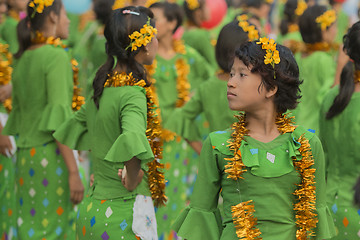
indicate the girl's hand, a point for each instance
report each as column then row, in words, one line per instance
column 76, row 188
column 5, row 145
column 125, row 180
column 5, row 92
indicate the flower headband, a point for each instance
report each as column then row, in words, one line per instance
column 326, row 19
column 272, row 56
column 301, row 7
column 39, row 5
column 143, row 37
column 193, row 4
column 253, row 34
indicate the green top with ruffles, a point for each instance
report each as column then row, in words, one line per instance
column 9, row 33
column 269, row 181
column 41, row 97
column 114, row 133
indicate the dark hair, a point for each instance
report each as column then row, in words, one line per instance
column 230, row 38
column 172, row 11
column 289, row 16
column 116, row 32
column 352, row 48
column 310, row 30
column 32, row 23
column 190, row 13
column 103, row 9
column 253, row 3
column 286, row 73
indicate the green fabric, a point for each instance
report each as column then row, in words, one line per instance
column 317, row 71
column 203, row 101
column 340, row 136
column 165, row 76
column 229, row 17
column 114, row 133
column 41, row 96
column 9, row 34
column 271, row 189
column 343, row 23
column 200, row 40
column 289, row 36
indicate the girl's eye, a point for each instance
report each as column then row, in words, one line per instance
column 232, row 74
column 242, row 75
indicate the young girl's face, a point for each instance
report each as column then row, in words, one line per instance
column 244, row 89
column 62, row 28
column 152, row 50
column 163, row 26
column 3, row 10
column 330, row 33
column 18, row 5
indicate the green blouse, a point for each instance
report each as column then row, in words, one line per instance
column 340, row 137
column 210, row 98
column 200, row 40
column 41, row 97
column 318, row 72
column 166, row 76
column 9, row 34
column 269, row 181
column 114, row 134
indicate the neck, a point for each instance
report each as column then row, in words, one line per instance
column 166, row 48
column 262, row 125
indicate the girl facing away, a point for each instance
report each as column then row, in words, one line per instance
column 270, row 172
column 120, row 127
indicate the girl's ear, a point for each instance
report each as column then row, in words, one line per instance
column 53, row 17
column 270, row 93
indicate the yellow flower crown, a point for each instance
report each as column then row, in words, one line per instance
column 269, row 1
column 150, row 2
column 142, row 38
column 39, row 5
column 272, row 56
column 326, row 19
column 118, row 4
column 301, row 7
column 253, row 34
column 193, row 4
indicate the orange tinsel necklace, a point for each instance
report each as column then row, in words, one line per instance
column 5, row 70
column 357, row 76
column 153, row 134
column 243, row 213
column 320, row 46
column 182, row 83
column 77, row 99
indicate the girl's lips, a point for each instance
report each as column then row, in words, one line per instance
column 229, row 94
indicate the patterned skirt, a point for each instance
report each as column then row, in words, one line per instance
column 43, row 196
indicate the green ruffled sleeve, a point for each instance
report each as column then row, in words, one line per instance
column 201, row 220
column 132, row 142
column 182, row 120
column 325, row 228
column 74, row 133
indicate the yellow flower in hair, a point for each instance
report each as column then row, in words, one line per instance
column 253, row 34
column 150, row 2
column 269, row 1
column 326, row 19
column 142, row 38
column 118, row 4
column 193, row 4
column 301, row 7
column 39, row 5
column 272, row 56
column 242, row 17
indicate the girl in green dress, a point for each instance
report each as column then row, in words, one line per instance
column 120, row 127
column 317, row 66
column 210, row 97
column 7, row 170
column 270, row 173
column 177, row 70
column 339, row 131
column 47, row 178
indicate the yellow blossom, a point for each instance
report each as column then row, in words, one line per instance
column 193, row 4
column 39, row 5
column 326, row 19
column 301, row 7
column 143, row 37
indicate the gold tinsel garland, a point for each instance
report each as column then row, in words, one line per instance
column 153, row 133
column 13, row 14
column 5, row 71
column 182, row 84
column 243, row 213
column 357, row 76
column 320, row 46
column 77, row 99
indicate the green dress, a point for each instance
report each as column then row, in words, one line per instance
column 343, row 23
column 42, row 98
column 180, row 160
column 9, row 34
column 268, row 181
column 317, row 71
column 8, row 228
column 114, row 133
column 200, row 40
column 210, row 98
column 339, row 136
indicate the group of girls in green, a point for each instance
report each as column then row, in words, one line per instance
column 210, row 134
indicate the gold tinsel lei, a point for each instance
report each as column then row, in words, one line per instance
column 77, row 99
column 243, row 213
column 153, row 133
column 320, row 46
column 182, row 83
column 357, row 76
column 5, row 71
